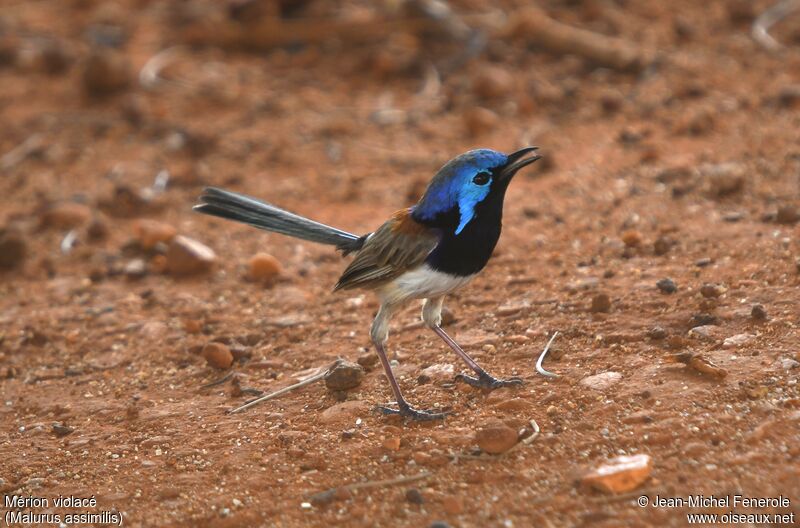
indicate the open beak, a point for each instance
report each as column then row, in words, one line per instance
column 517, row 160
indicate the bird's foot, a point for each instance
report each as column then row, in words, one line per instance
column 486, row 381
column 407, row 411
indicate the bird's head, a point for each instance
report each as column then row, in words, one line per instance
column 475, row 180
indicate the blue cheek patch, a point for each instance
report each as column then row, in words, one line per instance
column 468, row 198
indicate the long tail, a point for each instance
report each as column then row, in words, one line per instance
column 241, row 208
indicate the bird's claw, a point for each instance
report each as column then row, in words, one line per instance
column 485, row 381
column 407, row 411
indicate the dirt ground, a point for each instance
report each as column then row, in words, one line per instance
column 687, row 168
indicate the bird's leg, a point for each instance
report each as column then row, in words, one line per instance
column 380, row 334
column 432, row 316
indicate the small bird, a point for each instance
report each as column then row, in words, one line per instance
column 423, row 252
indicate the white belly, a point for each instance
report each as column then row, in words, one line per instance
column 422, row 283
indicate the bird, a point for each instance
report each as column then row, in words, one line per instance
column 424, row 252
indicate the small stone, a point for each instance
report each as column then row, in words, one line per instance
column 98, row 228
column 66, row 215
column 62, row 430
column 667, row 286
column 620, row 474
column 479, row 121
column 150, row 233
column 601, row 303
column 705, row 332
column 737, row 340
column 391, row 443
column 263, row 267
column 106, row 72
column 493, row 82
column 13, row 249
column 496, row 437
column 632, row 238
column 661, row 246
column 704, row 319
column 657, row 333
column 323, row 498
column 787, row 214
column 602, row 381
column 368, row 360
column 758, row 312
column 217, row 355
column 789, row 364
column 439, row 524
column 186, row 256
column 344, row 375
column 711, row 291
column 135, row 269
column 723, row 179
column 703, row 262
column 347, row 411
column 414, row 496
column 439, row 372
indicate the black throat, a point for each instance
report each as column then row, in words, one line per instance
column 468, row 252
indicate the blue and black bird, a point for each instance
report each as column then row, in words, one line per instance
column 423, row 252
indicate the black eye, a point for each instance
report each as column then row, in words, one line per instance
column 482, row 178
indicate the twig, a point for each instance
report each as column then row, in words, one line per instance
column 220, row 381
column 539, row 362
column 150, row 74
column 535, row 26
column 68, row 242
column 328, row 495
column 281, row 392
column 21, row 151
column 770, row 17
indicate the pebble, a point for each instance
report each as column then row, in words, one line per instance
column 601, row 303
column 62, row 430
column 758, row 312
column 391, row 443
column 106, row 72
column 135, row 269
column 453, row 505
column 710, row 291
column 723, row 179
column 479, row 121
column 263, row 267
column 496, row 437
column 344, row 375
column 439, row 372
column 657, row 333
column 787, row 214
column 438, row 524
column 217, row 355
column 414, row 496
column 632, row 238
column 703, row 262
column 667, row 286
column 602, row 381
column 737, row 340
column 13, row 249
column 66, row 215
column 150, row 233
column 493, row 82
column 347, row 411
column 702, row 318
column 186, row 256
column 368, row 360
column 789, row 364
column 708, row 332
column 661, row 246
column 620, row 474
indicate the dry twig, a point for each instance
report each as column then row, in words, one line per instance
column 539, row 368
column 307, row 381
column 770, row 17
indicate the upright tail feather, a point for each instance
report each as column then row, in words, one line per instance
column 241, row 208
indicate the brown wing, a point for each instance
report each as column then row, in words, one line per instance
column 397, row 246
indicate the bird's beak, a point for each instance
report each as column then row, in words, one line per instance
column 517, row 160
